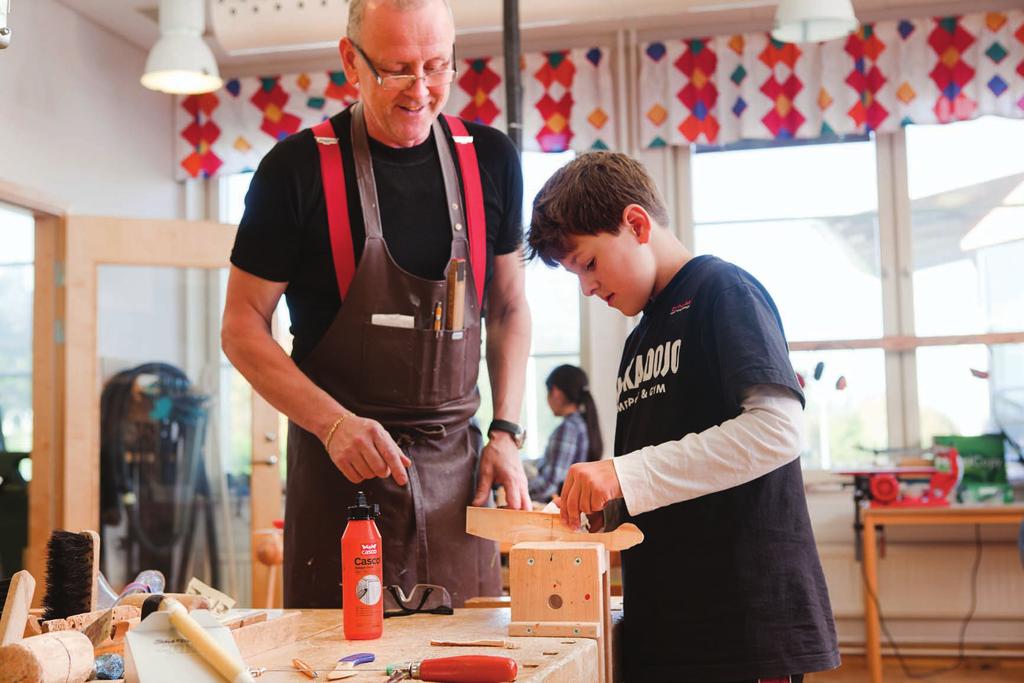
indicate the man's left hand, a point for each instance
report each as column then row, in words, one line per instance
column 500, row 465
column 588, row 487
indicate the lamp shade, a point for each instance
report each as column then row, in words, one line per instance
column 813, row 21
column 180, row 62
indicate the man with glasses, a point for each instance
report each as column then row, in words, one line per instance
column 383, row 226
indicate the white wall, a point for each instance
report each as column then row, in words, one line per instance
column 75, row 125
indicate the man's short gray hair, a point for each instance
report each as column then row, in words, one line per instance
column 357, row 8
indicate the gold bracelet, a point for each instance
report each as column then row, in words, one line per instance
column 330, row 432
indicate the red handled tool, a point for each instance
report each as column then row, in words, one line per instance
column 461, row 669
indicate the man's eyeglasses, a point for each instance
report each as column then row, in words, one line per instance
column 397, row 82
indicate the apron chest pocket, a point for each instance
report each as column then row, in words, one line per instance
column 441, row 375
column 387, row 365
column 413, row 367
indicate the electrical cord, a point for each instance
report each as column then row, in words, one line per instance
column 961, row 659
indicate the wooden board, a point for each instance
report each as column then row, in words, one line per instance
column 15, row 608
column 277, row 629
column 515, row 526
column 322, row 643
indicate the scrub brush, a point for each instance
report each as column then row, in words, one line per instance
column 72, row 565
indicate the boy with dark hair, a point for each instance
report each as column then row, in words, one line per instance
column 727, row 585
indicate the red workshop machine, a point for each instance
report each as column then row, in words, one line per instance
column 915, row 486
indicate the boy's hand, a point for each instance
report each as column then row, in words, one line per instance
column 588, row 487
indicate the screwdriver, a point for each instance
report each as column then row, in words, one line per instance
column 459, row 669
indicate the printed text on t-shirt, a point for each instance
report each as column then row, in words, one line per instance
column 641, row 376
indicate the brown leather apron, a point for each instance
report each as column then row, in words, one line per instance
column 421, row 385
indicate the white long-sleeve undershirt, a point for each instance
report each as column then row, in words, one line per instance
column 764, row 437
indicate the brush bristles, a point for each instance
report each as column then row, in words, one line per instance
column 69, row 575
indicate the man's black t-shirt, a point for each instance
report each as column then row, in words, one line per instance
column 727, row 586
column 283, row 235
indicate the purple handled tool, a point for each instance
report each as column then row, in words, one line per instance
column 357, row 659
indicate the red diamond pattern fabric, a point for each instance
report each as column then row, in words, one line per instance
column 882, row 76
column 569, row 102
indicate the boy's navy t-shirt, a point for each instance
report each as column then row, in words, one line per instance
column 727, row 586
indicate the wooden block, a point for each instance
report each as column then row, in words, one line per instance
column 79, row 622
column 557, row 581
column 560, row 588
column 479, row 642
column 34, row 625
column 115, row 644
column 244, row 619
column 65, row 657
column 266, row 635
column 456, row 284
column 516, row 526
column 191, row 602
column 15, row 608
column 95, row 537
column 489, row 601
column 555, row 629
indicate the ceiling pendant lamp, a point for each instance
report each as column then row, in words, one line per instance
column 181, row 63
column 813, row 21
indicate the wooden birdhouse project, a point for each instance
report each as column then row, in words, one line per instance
column 558, row 578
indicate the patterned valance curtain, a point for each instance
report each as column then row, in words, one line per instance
column 567, row 101
column 884, row 76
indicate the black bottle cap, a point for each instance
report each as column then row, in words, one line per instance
column 362, row 509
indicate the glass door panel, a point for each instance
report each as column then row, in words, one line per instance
column 175, row 440
column 17, row 287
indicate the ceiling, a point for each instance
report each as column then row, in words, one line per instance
column 479, row 21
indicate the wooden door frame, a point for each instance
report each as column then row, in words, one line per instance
column 64, row 361
column 45, row 498
column 65, row 488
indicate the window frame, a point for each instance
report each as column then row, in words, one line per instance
column 899, row 341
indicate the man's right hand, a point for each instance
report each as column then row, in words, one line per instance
column 362, row 449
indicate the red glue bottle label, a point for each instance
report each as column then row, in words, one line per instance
column 362, row 573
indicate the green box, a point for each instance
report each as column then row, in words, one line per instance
column 984, row 468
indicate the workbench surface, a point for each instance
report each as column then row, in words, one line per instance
column 321, row 644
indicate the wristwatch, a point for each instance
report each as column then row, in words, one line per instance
column 516, row 431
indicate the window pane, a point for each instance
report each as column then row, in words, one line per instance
column 803, row 181
column 17, row 288
column 554, row 298
column 804, row 221
column 970, row 390
column 842, row 424
column 967, row 202
column 554, row 301
column 538, row 413
column 233, row 189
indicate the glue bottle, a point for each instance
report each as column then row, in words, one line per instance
column 362, row 573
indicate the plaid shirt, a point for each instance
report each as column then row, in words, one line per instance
column 567, row 445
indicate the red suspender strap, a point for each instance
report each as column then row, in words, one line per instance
column 474, row 194
column 332, row 174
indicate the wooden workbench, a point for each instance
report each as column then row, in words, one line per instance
column 321, row 644
column 928, row 516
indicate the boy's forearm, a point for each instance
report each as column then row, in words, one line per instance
column 763, row 438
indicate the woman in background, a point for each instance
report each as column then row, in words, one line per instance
column 576, row 439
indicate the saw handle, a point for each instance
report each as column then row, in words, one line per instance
column 469, row 669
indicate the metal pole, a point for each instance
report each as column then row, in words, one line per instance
column 513, row 81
